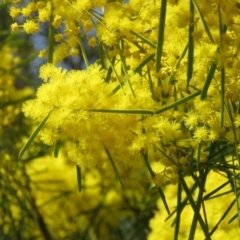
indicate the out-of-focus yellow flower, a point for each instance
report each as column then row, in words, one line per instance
column 42, row 54
column 14, row 12
column 92, row 42
column 14, row 27
column 30, row 26
column 201, row 133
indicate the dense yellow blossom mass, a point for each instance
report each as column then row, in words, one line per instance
column 75, row 96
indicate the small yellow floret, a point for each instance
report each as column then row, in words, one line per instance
column 26, row 11
column 107, row 36
column 39, row 5
column 46, row 71
column 14, row 12
column 74, row 51
column 42, row 54
column 237, row 121
column 92, row 42
column 61, row 52
column 88, row 25
column 58, row 37
column 44, row 15
column 49, row 136
column 14, row 27
column 201, row 134
column 191, row 120
column 30, row 27
column 57, row 21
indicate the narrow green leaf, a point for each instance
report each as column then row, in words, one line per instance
column 222, row 68
column 236, row 193
column 124, row 67
column 222, row 27
column 223, row 216
column 116, row 89
column 205, row 214
column 83, row 51
column 114, row 167
column 143, row 63
column 150, row 82
column 24, row 61
column 53, row 199
column 208, row 80
column 212, row 68
column 51, row 34
column 184, row 202
column 195, row 209
column 79, row 178
column 91, row 221
column 168, row 157
column 237, row 215
column 203, row 21
column 179, row 210
column 216, row 190
column 190, row 45
column 171, row 78
column 8, row 39
column 110, row 70
column 56, row 148
column 190, row 163
column 222, row 96
column 160, row 191
column 229, row 111
column 34, row 134
column 131, row 111
column 181, row 57
column 221, row 194
column 201, row 179
column 101, row 55
column 199, row 154
column 93, row 14
column 181, row 101
column 111, row 62
column 143, row 39
column 160, row 40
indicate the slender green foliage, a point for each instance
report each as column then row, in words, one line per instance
column 33, row 136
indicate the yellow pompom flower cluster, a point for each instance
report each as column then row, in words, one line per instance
column 73, row 96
